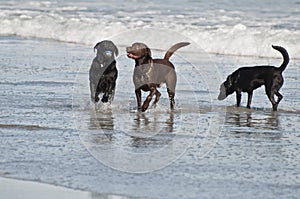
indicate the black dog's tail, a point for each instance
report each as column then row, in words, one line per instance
column 285, row 55
column 170, row 52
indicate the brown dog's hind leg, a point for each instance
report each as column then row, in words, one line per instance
column 138, row 95
column 171, row 97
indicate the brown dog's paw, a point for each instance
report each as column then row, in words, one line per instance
column 144, row 107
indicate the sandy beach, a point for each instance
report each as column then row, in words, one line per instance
column 56, row 143
column 48, row 136
column 18, row 189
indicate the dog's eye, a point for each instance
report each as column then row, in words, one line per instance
column 108, row 53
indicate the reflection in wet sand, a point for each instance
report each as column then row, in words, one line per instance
column 254, row 122
column 139, row 142
column 160, row 123
column 249, row 118
column 104, row 121
column 159, row 132
column 145, row 131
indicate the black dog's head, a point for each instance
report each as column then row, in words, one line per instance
column 106, row 50
column 226, row 88
column 138, row 51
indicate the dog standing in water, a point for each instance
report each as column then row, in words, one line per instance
column 103, row 72
column 150, row 73
column 247, row 79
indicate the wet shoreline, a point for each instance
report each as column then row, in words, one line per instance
column 255, row 155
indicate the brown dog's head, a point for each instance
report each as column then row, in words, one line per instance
column 138, row 50
column 226, row 88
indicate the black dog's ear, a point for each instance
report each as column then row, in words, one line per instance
column 229, row 81
column 97, row 45
column 115, row 49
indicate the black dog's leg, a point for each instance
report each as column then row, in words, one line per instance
column 107, row 91
column 93, row 90
column 171, row 97
column 138, row 95
column 97, row 95
column 105, row 97
column 279, row 97
column 270, row 93
column 275, row 104
column 250, row 94
column 238, row 98
column 105, row 94
column 272, row 100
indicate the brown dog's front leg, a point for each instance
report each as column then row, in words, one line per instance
column 157, row 96
column 148, row 99
column 138, row 95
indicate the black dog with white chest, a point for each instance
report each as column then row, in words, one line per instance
column 247, row 79
column 103, row 72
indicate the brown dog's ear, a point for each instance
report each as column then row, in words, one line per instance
column 148, row 51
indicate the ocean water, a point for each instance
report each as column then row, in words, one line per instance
column 50, row 132
column 238, row 27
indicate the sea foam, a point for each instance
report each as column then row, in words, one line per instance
column 217, row 31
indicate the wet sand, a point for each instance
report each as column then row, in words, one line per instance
column 47, row 129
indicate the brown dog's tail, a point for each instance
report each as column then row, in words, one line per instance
column 170, row 52
column 285, row 55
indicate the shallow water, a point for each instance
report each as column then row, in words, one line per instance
column 50, row 132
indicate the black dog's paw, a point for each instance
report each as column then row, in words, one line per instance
column 104, row 99
column 97, row 99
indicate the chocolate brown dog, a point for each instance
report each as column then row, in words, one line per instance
column 103, row 72
column 247, row 79
column 150, row 73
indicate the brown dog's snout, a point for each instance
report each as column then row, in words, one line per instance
column 128, row 49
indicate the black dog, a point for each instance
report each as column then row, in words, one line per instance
column 247, row 79
column 151, row 73
column 103, row 72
